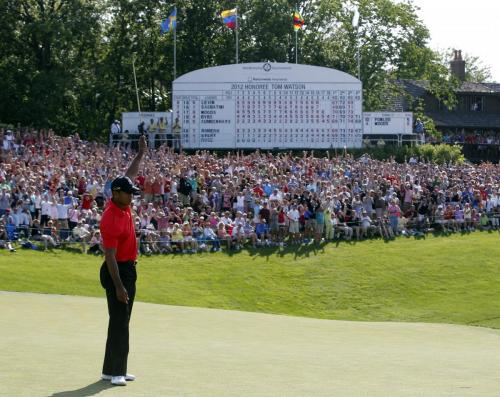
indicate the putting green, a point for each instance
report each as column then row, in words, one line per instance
column 52, row 346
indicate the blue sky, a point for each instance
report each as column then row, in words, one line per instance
column 466, row 26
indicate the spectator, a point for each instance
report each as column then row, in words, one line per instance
column 38, row 176
column 116, row 131
column 81, row 235
column 176, row 134
column 5, row 242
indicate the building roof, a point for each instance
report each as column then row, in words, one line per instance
column 418, row 88
column 494, row 86
column 478, row 120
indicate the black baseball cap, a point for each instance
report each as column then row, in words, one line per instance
column 124, row 184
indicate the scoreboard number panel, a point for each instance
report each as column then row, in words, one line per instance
column 268, row 106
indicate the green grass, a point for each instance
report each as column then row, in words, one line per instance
column 454, row 279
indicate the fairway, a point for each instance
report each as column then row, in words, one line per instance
column 52, row 346
column 445, row 279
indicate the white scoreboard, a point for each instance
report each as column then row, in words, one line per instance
column 387, row 123
column 268, row 105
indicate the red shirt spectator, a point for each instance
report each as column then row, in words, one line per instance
column 258, row 190
column 148, row 186
column 82, row 185
column 157, row 187
column 140, row 180
column 87, row 201
column 167, row 185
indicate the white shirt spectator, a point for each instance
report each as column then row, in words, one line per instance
column 239, row 220
column 240, row 201
column 4, row 200
column 45, row 207
column 62, row 211
column 208, row 232
column 80, row 232
column 293, row 215
column 238, row 231
column 20, row 218
column 366, row 221
column 53, row 211
column 173, row 187
column 116, row 128
column 37, row 199
column 73, row 214
column 226, row 220
column 8, row 139
column 276, row 195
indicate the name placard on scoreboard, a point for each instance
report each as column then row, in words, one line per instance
column 268, row 106
column 387, row 123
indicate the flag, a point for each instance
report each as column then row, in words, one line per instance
column 298, row 21
column 170, row 23
column 229, row 18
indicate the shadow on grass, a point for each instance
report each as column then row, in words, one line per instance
column 298, row 251
column 89, row 390
column 462, row 232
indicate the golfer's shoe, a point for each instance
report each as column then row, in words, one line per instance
column 118, row 381
column 128, row 377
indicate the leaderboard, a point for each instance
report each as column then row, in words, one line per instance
column 268, row 111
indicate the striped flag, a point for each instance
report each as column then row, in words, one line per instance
column 170, row 23
column 298, row 21
column 229, row 18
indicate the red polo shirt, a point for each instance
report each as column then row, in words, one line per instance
column 118, row 231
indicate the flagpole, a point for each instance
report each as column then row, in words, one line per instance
column 296, row 49
column 358, row 55
column 175, row 43
column 355, row 24
column 236, row 34
column 136, row 90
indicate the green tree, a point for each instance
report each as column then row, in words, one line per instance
column 44, row 47
column 67, row 64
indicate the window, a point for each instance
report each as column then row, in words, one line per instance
column 477, row 104
column 471, row 103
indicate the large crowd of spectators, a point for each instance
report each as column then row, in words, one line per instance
column 472, row 139
column 53, row 190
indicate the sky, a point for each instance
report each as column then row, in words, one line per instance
column 470, row 26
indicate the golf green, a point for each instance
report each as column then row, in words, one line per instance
column 52, row 345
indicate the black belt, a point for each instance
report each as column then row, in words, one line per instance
column 127, row 263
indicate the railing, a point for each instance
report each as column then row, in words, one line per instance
column 157, row 139
column 477, row 152
column 52, row 238
column 154, row 140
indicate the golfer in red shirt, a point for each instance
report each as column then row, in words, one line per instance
column 118, row 274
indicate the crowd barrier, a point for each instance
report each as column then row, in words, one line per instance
column 53, row 238
column 154, row 140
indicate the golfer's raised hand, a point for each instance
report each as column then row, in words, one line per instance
column 143, row 145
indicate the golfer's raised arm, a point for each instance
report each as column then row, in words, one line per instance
column 133, row 169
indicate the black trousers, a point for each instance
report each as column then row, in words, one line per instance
column 117, row 343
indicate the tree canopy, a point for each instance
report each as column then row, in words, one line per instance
column 67, row 64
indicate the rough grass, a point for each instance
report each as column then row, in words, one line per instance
column 454, row 279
